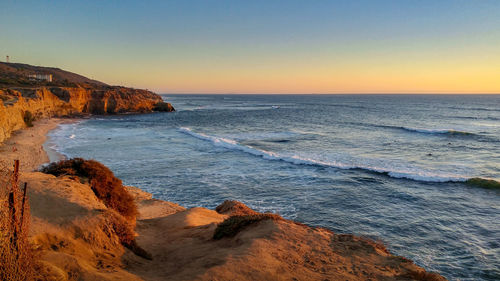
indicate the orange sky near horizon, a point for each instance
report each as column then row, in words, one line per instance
column 349, row 74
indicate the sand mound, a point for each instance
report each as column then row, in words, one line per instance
column 183, row 248
column 234, row 208
column 73, row 232
column 152, row 208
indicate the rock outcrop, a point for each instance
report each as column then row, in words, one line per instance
column 71, row 101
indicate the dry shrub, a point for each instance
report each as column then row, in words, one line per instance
column 111, row 191
column 15, row 249
column 234, row 224
column 118, row 225
column 103, row 182
column 125, row 231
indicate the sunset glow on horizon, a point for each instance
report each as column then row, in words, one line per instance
column 278, row 47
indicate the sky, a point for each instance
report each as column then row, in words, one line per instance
column 263, row 46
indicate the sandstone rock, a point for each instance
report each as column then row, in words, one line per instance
column 71, row 101
column 163, row 106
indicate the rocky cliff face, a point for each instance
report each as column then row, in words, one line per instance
column 65, row 101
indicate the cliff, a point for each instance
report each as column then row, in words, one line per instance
column 43, row 102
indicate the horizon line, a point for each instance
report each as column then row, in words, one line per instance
column 353, row 93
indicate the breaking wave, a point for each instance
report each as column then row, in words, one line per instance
column 437, row 131
column 394, row 172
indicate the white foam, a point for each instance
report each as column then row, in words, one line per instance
column 263, row 136
column 412, row 173
column 72, row 136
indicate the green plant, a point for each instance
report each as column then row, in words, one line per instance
column 103, row 182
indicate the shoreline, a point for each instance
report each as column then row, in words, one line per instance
column 52, row 154
column 29, row 145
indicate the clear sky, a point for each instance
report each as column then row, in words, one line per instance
column 263, row 46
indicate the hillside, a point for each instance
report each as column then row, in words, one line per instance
column 16, row 74
column 23, row 100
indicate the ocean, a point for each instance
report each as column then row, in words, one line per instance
column 388, row 167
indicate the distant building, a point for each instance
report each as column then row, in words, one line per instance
column 38, row 76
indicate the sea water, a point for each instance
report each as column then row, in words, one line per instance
column 389, row 167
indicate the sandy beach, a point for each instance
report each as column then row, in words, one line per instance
column 28, row 145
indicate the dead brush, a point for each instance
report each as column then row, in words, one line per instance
column 234, row 224
column 16, row 255
column 121, row 219
column 103, row 182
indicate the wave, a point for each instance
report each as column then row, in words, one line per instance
column 394, row 172
column 450, row 132
column 484, row 183
column 265, row 136
column 438, row 131
column 474, row 108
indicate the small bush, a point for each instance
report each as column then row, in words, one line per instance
column 28, row 118
column 120, row 226
column 234, row 224
column 124, row 229
column 103, row 182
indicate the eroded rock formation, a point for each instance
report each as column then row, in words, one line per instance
column 71, row 101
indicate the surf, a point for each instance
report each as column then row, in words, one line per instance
column 410, row 174
column 438, row 131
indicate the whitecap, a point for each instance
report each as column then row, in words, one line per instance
column 437, row 131
column 395, row 171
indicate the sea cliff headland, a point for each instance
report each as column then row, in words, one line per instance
column 66, row 95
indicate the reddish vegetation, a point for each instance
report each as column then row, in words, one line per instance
column 103, row 182
column 111, row 191
column 15, row 250
column 125, row 231
column 232, row 225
